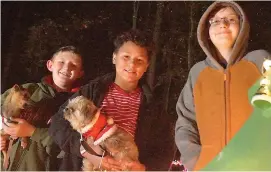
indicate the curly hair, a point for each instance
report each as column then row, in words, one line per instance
column 136, row 36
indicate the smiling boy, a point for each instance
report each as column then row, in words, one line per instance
column 213, row 104
column 40, row 154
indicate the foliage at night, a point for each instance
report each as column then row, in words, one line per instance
column 32, row 31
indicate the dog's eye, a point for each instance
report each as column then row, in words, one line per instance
column 26, row 96
column 68, row 109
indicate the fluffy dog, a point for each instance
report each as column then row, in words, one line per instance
column 18, row 104
column 14, row 103
column 16, row 100
column 87, row 119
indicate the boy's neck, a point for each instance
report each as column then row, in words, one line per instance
column 225, row 54
column 62, row 89
column 128, row 87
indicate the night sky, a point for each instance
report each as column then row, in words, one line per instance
column 32, row 31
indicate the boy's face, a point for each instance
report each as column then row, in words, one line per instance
column 66, row 67
column 224, row 28
column 131, row 62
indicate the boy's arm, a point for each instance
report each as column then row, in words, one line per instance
column 186, row 131
column 63, row 134
column 61, row 131
column 25, row 129
column 41, row 135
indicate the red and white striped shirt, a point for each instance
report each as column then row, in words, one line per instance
column 123, row 107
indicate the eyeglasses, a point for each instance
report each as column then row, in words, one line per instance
column 228, row 20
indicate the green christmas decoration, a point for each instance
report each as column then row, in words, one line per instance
column 250, row 148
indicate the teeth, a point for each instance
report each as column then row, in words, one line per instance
column 65, row 74
column 130, row 71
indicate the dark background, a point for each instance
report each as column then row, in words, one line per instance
column 32, row 31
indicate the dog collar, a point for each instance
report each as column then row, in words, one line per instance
column 100, row 130
column 93, row 129
column 107, row 131
column 3, row 121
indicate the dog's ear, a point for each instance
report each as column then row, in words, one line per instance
column 17, row 87
column 92, row 108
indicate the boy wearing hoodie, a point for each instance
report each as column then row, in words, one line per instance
column 40, row 153
column 213, row 104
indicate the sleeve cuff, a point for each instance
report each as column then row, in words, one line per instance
column 40, row 134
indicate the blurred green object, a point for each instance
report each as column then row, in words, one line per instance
column 250, row 148
column 262, row 104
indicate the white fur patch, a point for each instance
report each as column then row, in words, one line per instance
column 106, row 135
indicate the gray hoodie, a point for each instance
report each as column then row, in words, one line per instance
column 213, row 104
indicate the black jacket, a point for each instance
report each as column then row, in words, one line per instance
column 69, row 139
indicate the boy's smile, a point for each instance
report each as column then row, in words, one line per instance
column 130, row 72
column 223, row 32
column 65, row 74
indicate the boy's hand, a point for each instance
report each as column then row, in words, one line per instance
column 22, row 129
column 110, row 164
column 134, row 166
column 4, row 142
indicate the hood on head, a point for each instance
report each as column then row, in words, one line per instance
column 240, row 44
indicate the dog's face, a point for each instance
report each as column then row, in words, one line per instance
column 17, row 100
column 20, row 96
column 80, row 111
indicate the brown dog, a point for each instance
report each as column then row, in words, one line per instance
column 16, row 100
column 14, row 103
column 86, row 118
column 19, row 105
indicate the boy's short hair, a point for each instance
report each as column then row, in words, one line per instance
column 71, row 49
column 136, row 36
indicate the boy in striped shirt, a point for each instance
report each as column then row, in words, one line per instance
column 122, row 95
